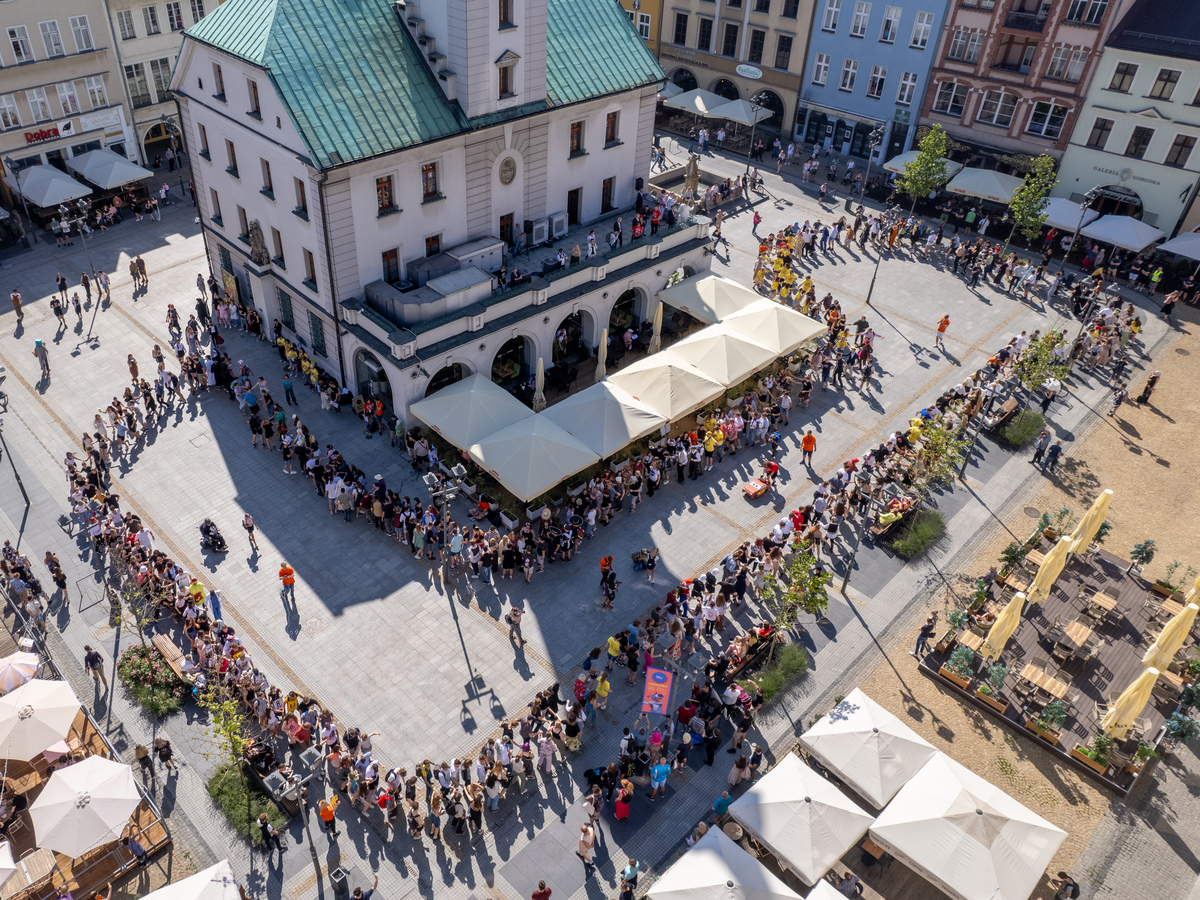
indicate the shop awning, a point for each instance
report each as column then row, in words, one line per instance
column 1124, row 232
column 46, row 186
column 470, row 410
column 709, row 298
column 987, row 184
column 106, row 169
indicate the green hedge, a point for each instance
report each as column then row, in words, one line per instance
column 925, row 529
column 1025, row 426
column 790, row 663
column 242, row 802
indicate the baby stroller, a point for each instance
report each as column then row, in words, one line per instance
column 210, row 538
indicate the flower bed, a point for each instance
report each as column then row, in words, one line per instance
column 146, row 675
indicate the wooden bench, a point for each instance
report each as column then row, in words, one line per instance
column 170, row 652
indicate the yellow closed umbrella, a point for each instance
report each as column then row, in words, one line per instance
column 1081, row 537
column 1049, row 571
column 601, row 356
column 1122, row 715
column 1193, row 596
column 1163, row 650
column 539, row 387
column 1002, row 629
column 656, row 337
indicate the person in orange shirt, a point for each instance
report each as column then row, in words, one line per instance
column 943, row 324
column 288, row 576
column 808, row 444
column 327, row 809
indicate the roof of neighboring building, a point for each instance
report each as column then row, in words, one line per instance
column 356, row 85
column 1163, row 27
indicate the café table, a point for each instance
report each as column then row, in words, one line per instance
column 1075, row 635
column 1102, row 601
column 968, row 638
column 1172, row 607
column 1044, row 680
column 1035, row 558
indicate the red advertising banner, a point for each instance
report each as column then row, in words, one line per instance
column 656, row 696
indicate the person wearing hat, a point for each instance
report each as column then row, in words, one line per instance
column 39, row 350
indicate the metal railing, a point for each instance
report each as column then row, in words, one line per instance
column 1025, row 21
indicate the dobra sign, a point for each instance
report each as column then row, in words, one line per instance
column 749, row 71
column 46, row 134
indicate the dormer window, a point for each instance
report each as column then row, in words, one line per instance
column 505, row 69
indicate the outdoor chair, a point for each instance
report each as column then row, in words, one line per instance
column 1099, row 709
column 1119, row 760
column 1094, row 650
column 1061, row 654
column 1164, row 692
column 1055, row 632
column 1040, row 662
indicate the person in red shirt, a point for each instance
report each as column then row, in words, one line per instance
column 542, row 892
column 770, row 472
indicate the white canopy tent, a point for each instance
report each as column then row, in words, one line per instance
column 106, row 169
column 986, row 184
column 604, row 417
column 722, row 355
column 1064, row 214
column 965, row 835
column 531, row 456
column 669, row 90
column 774, row 325
column 672, row 389
column 1186, row 245
column 214, row 883
column 46, row 186
column 1124, row 232
column 469, row 410
column 716, row 868
column 804, row 820
column 823, row 890
column 868, row 747
column 742, row 111
column 709, row 298
column 897, row 163
column 702, row 103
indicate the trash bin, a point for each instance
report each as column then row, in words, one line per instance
column 340, row 879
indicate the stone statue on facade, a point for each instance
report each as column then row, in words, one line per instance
column 691, row 177
column 258, row 245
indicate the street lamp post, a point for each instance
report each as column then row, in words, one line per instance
column 83, row 205
column 11, row 165
column 169, row 123
column 1088, row 199
column 874, row 139
column 756, row 107
column 443, row 492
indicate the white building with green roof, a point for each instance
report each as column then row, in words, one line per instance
column 364, row 167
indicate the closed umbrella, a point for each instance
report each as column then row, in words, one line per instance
column 1081, row 537
column 1002, row 629
column 1049, row 570
column 602, row 355
column 1162, row 651
column 34, row 716
column 85, row 806
column 17, row 669
column 539, row 387
column 1122, row 715
column 656, row 337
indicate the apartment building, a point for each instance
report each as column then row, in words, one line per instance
column 647, row 17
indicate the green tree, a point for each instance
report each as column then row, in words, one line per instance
column 1028, row 205
column 802, row 589
column 925, row 174
column 942, row 451
column 1038, row 364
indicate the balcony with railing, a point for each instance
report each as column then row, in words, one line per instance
column 1024, row 21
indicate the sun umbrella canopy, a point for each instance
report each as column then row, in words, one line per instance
column 17, row 669
column 986, row 184
column 1064, row 214
column 1122, row 231
column 1002, row 629
column 708, row 298
column 742, row 111
column 46, row 186
column 106, row 169
column 604, row 417
column 722, row 355
column 1049, row 570
column 672, row 389
column 716, row 868
column 85, row 806
column 531, row 456
column 470, row 410
column 1187, row 244
column 702, row 103
column 214, row 883
column 868, row 747
column 773, row 325
column 539, row 389
column 1081, row 537
column 897, row 163
column 1122, row 715
column 965, row 835
column 34, row 716
column 7, row 866
column 804, row 820
column 1162, row 652
column 669, row 90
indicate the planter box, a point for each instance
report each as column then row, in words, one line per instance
column 949, row 639
column 1164, row 590
column 575, row 492
column 1051, row 736
column 534, row 514
column 1077, row 753
column 618, row 466
column 468, row 489
column 734, row 404
column 509, row 520
column 1001, row 706
column 1135, row 767
column 954, row 678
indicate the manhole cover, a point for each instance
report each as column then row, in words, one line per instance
column 1033, row 512
column 1182, row 351
column 315, row 624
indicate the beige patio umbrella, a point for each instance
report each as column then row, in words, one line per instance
column 7, row 866
column 1081, row 537
column 656, row 338
column 1049, row 571
column 34, row 716
column 539, row 387
column 1162, row 651
column 1002, row 629
column 602, row 355
column 17, row 669
column 85, row 806
column 1122, row 715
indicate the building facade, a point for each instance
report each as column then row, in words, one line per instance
column 361, row 175
column 1136, row 135
column 60, row 87
column 868, row 66
column 740, row 49
column 1010, row 76
column 647, row 18
column 146, row 38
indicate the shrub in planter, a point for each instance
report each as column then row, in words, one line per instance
column 996, row 674
column 1053, row 715
column 1012, row 556
column 146, row 675
column 789, row 664
column 1099, row 749
column 242, row 802
column 1182, row 728
column 925, row 529
column 1024, row 427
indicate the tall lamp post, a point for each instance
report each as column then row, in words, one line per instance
column 874, row 139
column 168, row 126
column 756, row 106
column 83, row 205
column 1088, row 199
column 12, row 168
column 443, row 492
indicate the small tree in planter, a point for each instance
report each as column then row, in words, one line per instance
column 1102, row 532
column 1141, row 555
column 804, row 591
column 1012, row 556
column 1168, row 583
column 1181, row 728
column 996, row 674
column 1054, row 714
column 1101, row 746
column 958, row 667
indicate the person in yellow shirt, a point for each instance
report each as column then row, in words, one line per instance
column 710, row 445
column 807, row 285
column 718, row 435
column 196, row 591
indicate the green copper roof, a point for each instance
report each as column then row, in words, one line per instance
column 592, row 50
column 356, row 85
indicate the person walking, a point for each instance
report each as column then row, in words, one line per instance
column 270, row 835
column 923, row 638
column 807, row 444
column 587, row 840
column 248, row 524
column 514, row 625
column 43, row 357
column 15, row 297
column 1039, row 448
column 93, row 664
column 1148, row 389
column 1053, row 455
column 1119, row 396
column 287, row 575
column 939, row 338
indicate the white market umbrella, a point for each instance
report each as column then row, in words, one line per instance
column 965, row 835
column 602, row 356
column 7, row 866
column 539, row 387
column 716, row 868
column 470, row 410
column 531, row 456
column 106, row 169
column 1123, row 231
column 987, row 184
column 709, row 298
column 656, row 332
column 1064, row 214
column 17, row 669
column 897, row 163
column 85, row 806
column 806, row 822
column 1186, row 245
column 604, row 417
column 669, row 90
column 743, row 112
column 722, row 355
column 214, row 883
column 776, row 326
column 669, row 387
column 46, row 186
column 868, row 747
column 35, row 716
column 701, row 103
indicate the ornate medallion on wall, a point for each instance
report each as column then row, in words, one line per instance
column 508, row 170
